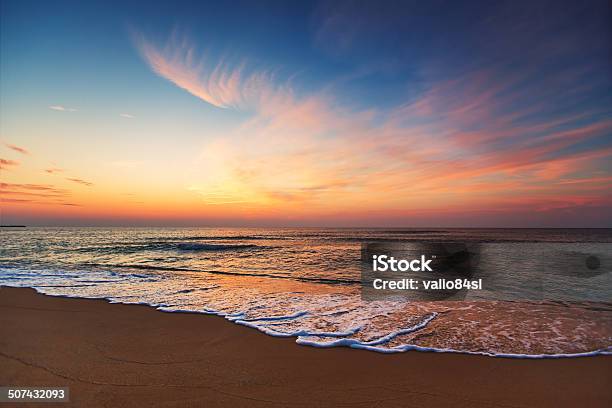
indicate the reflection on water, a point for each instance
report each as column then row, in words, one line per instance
column 304, row 283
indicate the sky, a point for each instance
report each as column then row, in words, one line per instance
column 407, row 114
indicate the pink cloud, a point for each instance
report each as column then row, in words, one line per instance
column 5, row 164
column 221, row 83
column 17, row 148
column 53, row 170
column 80, row 181
column 462, row 144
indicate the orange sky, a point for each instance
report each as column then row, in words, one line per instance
column 171, row 133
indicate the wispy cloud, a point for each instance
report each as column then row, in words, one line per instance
column 460, row 141
column 5, row 164
column 37, row 201
column 20, row 193
column 126, row 115
column 80, row 181
column 54, row 170
column 32, row 188
column 481, row 139
column 61, row 108
column 17, row 148
column 222, row 83
column 22, row 186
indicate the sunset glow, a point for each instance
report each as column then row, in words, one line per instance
column 194, row 124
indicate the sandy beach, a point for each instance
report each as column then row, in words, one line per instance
column 128, row 355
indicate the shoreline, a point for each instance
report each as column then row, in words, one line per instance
column 340, row 343
column 132, row 355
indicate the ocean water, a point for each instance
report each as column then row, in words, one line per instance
column 546, row 300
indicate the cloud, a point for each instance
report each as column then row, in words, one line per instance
column 53, row 170
column 61, row 108
column 482, row 139
column 80, row 181
column 33, row 193
column 126, row 115
column 222, row 83
column 27, row 186
column 31, row 201
column 20, row 187
column 15, row 200
column 463, row 143
column 17, row 148
column 6, row 164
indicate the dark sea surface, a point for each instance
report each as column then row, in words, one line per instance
column 547, row 292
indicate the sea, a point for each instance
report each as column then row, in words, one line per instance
column 550, row 292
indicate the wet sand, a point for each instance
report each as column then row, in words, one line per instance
column 114, row 355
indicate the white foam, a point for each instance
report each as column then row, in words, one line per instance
column 333, row 317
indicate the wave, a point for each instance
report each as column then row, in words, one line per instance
column 215, row 247
column 218, row 238
column 130, row 248
column 356, row 343
column 338, row 338
column 257, row 275
column 407, row 232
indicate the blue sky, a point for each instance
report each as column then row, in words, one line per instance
column 307, row 109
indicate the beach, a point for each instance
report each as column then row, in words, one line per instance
column 134, row 355
column 307, row 283
column 305, row 204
